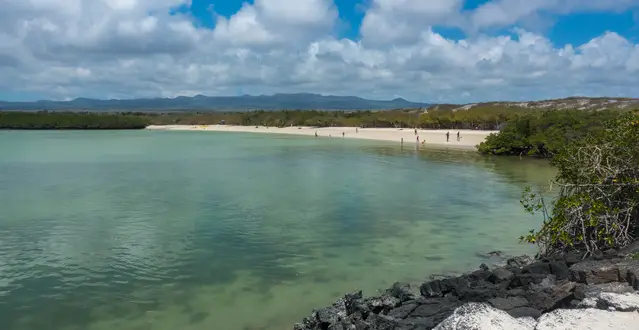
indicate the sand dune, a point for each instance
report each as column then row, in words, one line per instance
column 434, row 138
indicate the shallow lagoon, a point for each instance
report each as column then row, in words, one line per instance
column 200, row 230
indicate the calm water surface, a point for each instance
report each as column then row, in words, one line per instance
column 200, row 230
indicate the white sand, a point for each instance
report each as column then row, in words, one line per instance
column 434, row 138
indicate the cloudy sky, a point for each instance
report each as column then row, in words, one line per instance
column 423, row 50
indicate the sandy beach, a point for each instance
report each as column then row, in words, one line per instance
column 433, row 138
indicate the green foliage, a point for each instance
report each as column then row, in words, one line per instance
column 598, row 203
column 544, row 133
column 483, row 117
column 70, row 120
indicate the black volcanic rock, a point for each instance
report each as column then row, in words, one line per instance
column 523, row 288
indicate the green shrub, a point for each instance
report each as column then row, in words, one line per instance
column 597, row 207
column 544, row 133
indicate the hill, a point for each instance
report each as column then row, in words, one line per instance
column 303, row 101
column 576, row 103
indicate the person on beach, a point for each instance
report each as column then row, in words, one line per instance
column 315, row 133
column 458, row 138
column 343, row 134
column 417, row 139
column 356, row 130
column 415, row 131
column 402, row 142
column 447, row 136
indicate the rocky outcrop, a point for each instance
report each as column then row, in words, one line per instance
column 587, row 319
column 623, row 302
column 515, row 295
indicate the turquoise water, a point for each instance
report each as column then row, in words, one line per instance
column 201, row 230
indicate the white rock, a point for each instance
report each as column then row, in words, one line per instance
column 625, row 302
column 528, row 321
column 587, row 319
column 588, row 303
column 478, row 316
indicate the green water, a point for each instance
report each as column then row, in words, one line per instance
column 200, row 230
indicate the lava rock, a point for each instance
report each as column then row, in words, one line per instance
column 509, row 303
column 560, row 270
column 594, row 272
column 381, row 304
column 629, row 272
column 501, row 275
column 401, row 291
column 520, row 261
column 435, row 310
column 402, row 311
column 431, row 289
column 539, row 267
column 572, row 257
column 525, row 312
column 525, row 280
column 552, row 298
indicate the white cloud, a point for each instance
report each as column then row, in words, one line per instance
column 401, row 21
column 506, row 12
column 269, row 22
column 134, row 48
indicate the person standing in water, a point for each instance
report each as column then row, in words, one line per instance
column 315, row 133
column 447, row 136
column 402, row 142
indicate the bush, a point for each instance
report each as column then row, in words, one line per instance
column 71, row 120
column 544, row 133
column 597, row 207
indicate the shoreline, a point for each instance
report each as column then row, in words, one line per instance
column 469, row 139
column 563, row 291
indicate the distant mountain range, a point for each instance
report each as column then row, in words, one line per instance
column 303, row 101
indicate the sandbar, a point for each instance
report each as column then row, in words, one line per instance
column 431, row 138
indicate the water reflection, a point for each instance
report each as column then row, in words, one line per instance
column 155, row 230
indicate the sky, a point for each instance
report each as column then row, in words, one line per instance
column 454, row 51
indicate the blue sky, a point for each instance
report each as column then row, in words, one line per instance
column 575, row 28
column 426, row 50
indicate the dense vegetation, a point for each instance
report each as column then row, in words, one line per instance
column 481, row 117
column 597, row 207
column 70, row 120
column 489, row 118
column 544, row 133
